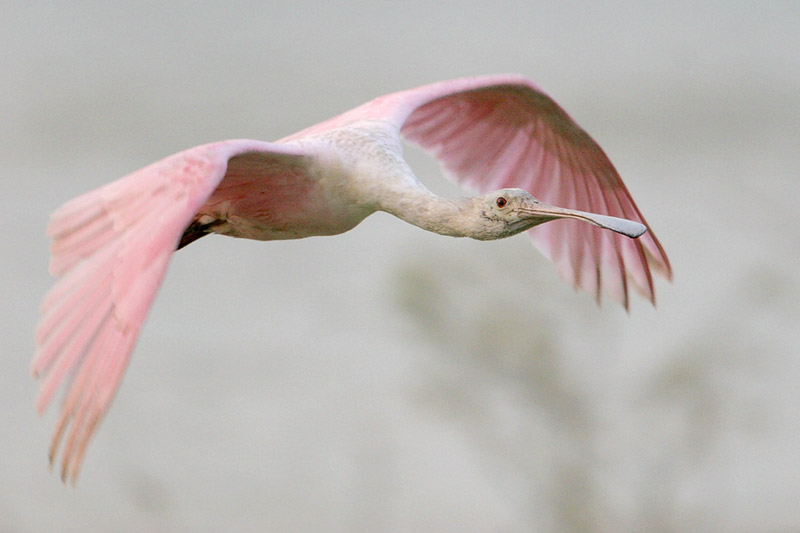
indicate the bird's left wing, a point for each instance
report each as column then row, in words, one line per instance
column 493, row 132
column 109, row 252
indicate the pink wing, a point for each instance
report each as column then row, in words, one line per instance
column 109, row 251
column 494, row 132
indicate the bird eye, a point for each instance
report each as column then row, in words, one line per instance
column 501, row 202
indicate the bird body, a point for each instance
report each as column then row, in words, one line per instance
column 500, row 134
column 343, row 176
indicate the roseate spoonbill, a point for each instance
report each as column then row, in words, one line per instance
column 110, row 247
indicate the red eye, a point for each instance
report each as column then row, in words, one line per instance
column 501, row 202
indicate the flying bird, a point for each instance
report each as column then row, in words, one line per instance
column 501, row 135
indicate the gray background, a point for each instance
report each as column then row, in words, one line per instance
column 393, row 380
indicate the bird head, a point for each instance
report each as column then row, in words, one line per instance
column 510, row 211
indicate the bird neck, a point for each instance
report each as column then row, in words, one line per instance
column 417, row 205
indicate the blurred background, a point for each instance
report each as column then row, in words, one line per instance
column 393, row 380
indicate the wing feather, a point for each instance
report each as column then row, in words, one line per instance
column 109, row 252
column 503, row 131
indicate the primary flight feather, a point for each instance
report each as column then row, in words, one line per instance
column 501, row 135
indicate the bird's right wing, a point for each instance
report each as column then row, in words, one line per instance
column 109, row 252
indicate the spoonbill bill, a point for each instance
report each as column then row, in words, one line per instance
column 501, row 135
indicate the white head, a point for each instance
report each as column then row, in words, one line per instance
column 510, row 211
